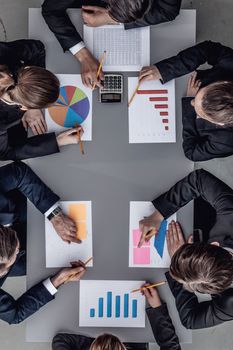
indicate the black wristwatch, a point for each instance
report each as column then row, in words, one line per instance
column 55, row 212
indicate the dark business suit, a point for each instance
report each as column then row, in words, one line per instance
column 161, row 325
column 18, row 177
column 54, row 13
column 202, row 184
column 14, row 143
column 202, row 140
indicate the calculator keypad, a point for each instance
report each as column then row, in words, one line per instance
column 112, row 83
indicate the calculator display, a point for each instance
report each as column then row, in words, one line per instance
column 111, row 97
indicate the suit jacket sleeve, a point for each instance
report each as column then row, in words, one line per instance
column 15, row 311
column 161, row 11
column 195, row 315
column 163, row 329
column 18, row 176
column 190, row 59
column 35, row 146
column 197, row 183
column 196, row 147
column 56, row 17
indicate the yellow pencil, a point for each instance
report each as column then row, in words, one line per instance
column 134, row 94
column 100, row 67
column 150, row 286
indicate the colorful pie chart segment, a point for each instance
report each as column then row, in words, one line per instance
column 71, row 108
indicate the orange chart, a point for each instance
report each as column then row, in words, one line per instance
column 71, row 108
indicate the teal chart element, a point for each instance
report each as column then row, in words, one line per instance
column 160, row 238
column 113, row 307
column 71, row 108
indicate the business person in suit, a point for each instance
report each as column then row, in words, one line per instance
column 207, row 109
column 26, row 87
column 17, row 178
column 205, row 265
column 133, row 13
column 160, row 321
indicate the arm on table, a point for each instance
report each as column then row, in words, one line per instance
column 56, row 17
column 162, row 327
column 197, row 183
column 190, row 59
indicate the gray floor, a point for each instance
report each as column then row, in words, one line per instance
column 214, row 21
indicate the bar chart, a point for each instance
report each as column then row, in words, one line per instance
column 152, row 112
column 106, row 305
column 111, row 303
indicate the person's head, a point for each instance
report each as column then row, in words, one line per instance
column 107, row 342
column 9, row 248
column 214, row 103
column 126, row 11
column 202, row 267
column 33, row 88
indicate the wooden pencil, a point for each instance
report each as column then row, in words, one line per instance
column 87, row 262
column 100, row 67
column 80, row 142
column 134, row 94
column 150, row 286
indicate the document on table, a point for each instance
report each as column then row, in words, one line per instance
column 126, row 50
column 60, row 253
column 152, row 112
column 111, row 304
column 153, row 253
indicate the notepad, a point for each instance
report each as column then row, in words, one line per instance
column 127, row 50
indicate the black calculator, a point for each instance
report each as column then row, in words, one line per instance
column 112, row 90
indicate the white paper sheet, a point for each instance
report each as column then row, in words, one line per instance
column 152, row 112
column 126, row 50
column 73, row 107
column 114, row 311
column 60, row 253
column 148, row 255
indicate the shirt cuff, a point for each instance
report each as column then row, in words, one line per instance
column 49, row 286
column 76, row 48
column 49, row 211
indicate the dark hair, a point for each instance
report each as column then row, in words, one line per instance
column 217, row 102
column 202, row 267
column 34, row 88
column 8, row 245
column 107, row 342
column 126, row 11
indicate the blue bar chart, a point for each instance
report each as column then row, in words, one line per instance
column 107, row 303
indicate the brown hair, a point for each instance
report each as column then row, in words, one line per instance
column 217, row 102
column 107, row 342
column 8, row 245
column 126, row 11
column 203, row 268
column 34, row 87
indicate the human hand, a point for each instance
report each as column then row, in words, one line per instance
column 89, row 68
column 95, row 16
column 69, row 136
column 175, row 238
column 34, row 119
column 65, row 228
column 193, row 85
column 149, row 227
column 69, row 274
column 152, row 296
column 149, row 73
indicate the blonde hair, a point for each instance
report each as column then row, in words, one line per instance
column 34, row 87
column 107, row 342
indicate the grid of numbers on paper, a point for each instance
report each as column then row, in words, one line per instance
column 124, row 46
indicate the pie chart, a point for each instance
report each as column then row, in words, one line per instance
column 71, row 108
